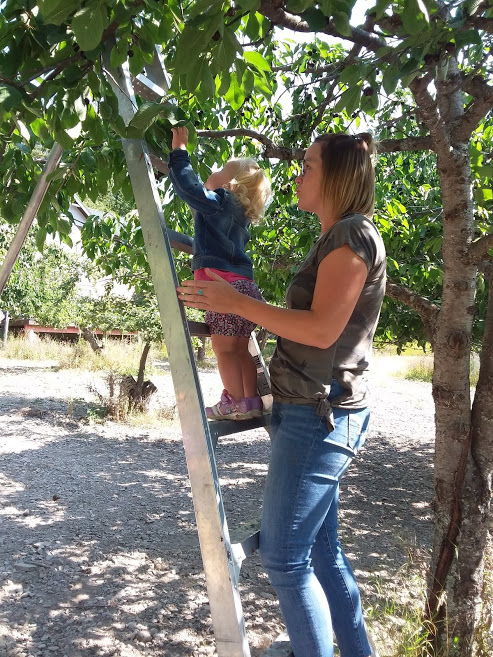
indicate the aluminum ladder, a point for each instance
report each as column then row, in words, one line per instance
column 221, row 558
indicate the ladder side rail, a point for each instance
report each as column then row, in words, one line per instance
column 179, row 241
column 219, row 567
column 32, row 208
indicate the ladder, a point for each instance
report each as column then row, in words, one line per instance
column 221, row 558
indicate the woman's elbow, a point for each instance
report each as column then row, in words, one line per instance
column 322, row 340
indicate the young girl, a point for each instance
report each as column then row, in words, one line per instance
column 230, row 200
column 319, row 384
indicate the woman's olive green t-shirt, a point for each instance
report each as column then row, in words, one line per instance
column 301, row 374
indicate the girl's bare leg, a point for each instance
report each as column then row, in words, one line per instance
column 226, row 350
column 236, row 365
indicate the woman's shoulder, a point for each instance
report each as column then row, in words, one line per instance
column 360, row 233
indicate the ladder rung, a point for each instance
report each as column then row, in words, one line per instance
column 146, row 89
column 199, row 329
column 181, row 242
column 220, row 428
column 280, row 648
column 246, row 548
column 158, row 163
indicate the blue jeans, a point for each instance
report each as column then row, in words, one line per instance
column 299, row 546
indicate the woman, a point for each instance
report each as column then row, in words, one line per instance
column 318, row 375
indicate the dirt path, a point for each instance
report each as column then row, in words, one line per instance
column 98, row 548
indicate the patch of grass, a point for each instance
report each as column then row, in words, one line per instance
column 118, row 356
column 421, row 369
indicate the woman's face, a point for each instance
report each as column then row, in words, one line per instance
column 309, row 183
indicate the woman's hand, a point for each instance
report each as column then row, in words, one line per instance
column 180, row 138
column 217, row 295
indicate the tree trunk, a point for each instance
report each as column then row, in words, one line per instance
column 452, row 348
column 451, row 386
column 201, row 349
column 262, row 338
column 89, row 336
column 5, row 333
column 139, row 394
column 474, row 623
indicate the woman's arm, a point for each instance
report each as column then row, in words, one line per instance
column 340, row 280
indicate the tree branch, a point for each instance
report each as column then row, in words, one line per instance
column 428, row 110
column 408, row 144
column 426, row 309
column 482, row 93
column 272, row 150
column 480, row 23
column 275, row 12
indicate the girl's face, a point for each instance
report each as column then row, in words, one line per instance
column 309, row 183
column 222, row 177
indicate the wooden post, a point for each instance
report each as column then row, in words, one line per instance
column 29, row 215
column 5, row 328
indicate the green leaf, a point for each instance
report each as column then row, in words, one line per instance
column 315, row 18
column 92, row 124
column 224, row 52
column 40, row 238
column 201, row 75
column 173, row 114
column 468, row 37
column 194, row 41
column 256, row 59
column 88, row 25
column 56, row 11
column 262, row 87
column 297, row 6
column 119, row 53
column 10, row 97
column 248, row 5
column 351, row 74
column 379, row 8
column 248, row 82
column 235, row 94
column 222, row 83
column 390, row 79
column 349, row 100
column 40, row 129
column 413, row 19
column 252, row 27
column 63, row 139
column 341, row 22
column 137, row 61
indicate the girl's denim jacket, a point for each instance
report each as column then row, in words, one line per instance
column 221, row 227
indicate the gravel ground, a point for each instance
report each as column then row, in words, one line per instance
column 98, row 549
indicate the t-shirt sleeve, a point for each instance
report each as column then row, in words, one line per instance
column 358, row 233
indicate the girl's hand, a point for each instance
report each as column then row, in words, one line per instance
column 180, row 138
column 217, row 295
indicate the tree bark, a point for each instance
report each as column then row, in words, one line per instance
column 452, row 348
column 470, row 600
column 89, row 336
column 201, row 349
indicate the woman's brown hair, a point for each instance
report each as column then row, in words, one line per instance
column 348, row 176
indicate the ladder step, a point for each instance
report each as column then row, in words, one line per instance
column 181, row 242
column 280, row 648
column 220, row 428
column 246, row 548
column 198, row 329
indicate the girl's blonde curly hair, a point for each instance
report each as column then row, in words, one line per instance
column 251, row 186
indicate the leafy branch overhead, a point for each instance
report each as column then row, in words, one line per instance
column 240, row 80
